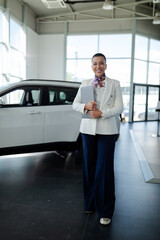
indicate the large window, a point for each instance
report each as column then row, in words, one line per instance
column 17, row 36
column 140, row 71
column 145, row 101
column 80, row 49
column 141, row 49
column 117, row 49
column 12, row 51
column 146, row 76
column 81, row 46
column 147, row 61
column 115, row 45
column 154, row 53
column 3, row 27
column 3, row 59
column 17, row 51
column 3, row 48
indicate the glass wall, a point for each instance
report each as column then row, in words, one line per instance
column 117, row 48
column 3, row 48
column 147, row 61
column 145, row 102
column 146, row 72
column 139, row 102
column 80, row 49
column 12, row 50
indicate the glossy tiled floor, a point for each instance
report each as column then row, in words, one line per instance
column 41, row 198
column 149, row 145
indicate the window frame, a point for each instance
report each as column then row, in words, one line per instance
column 25, row 88
column 58, row 90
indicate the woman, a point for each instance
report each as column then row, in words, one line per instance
column 99, row 134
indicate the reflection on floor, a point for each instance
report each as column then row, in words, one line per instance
column 148, row 149
column 41, row 198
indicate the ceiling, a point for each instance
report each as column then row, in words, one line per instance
column 91, row 10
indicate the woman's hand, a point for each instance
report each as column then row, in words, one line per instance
column 91, row 106
column 95, row 114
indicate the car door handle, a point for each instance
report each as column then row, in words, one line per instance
column 34, row 112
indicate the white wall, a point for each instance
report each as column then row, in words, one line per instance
column 51, row 57
column 32, row 54
column 45, row 56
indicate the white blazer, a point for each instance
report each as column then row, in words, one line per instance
column 111, row 107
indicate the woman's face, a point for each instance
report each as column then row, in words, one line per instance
column 98, row 66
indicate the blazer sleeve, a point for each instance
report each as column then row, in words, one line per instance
column 77, row 105
column 117, row 107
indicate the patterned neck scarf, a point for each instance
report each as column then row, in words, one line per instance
column 99, row 81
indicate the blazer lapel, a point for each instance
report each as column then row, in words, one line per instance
column 108, row 90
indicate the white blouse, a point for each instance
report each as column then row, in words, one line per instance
column 99, row 92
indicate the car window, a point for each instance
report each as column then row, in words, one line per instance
column 51, row 96
column 22, row 97
column 12, row 98
column 61, row 95
column 36, row 96
column 32, row 96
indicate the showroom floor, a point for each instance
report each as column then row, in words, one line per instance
column 147, row 146
column 41, row 198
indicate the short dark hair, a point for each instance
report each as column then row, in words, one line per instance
column 99, row 55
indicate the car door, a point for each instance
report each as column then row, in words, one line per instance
column 21, row 117
column 61, row 122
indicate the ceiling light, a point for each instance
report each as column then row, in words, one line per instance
column 108, row 5
column 156, row 19
column 54, row 3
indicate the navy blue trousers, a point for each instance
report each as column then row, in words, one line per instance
column 98, row 174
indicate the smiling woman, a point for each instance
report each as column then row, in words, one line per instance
column 99, row 134
column 99, row 65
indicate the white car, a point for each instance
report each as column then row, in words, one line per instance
column 38, row 115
